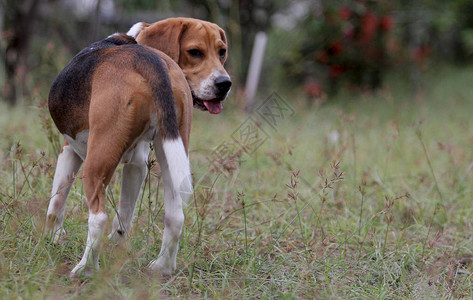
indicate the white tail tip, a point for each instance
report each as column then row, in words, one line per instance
column 135, row 29
column 179, row 167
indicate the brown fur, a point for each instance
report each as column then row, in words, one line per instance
column 119, row 112
column 117, row 90
column 178, row 35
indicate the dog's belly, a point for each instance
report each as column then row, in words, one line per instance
column 79, row 144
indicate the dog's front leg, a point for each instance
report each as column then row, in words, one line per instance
column 68, row 164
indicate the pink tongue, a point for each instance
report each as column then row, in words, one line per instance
column 214, row 107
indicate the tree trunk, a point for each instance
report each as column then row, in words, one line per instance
column 16, row 57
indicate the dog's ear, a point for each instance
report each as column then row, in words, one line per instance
column 222, row 35
column 224, row 39
column 165, row 36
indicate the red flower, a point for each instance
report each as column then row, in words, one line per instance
column 336, row 48
column 348, row 32
column 369, row 23
column 313, row 89
column 386, row 23
column 420, row 54
column 344, row 12
column 335, row 71
column 322, row 57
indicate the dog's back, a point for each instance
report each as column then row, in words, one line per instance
column 70, row 94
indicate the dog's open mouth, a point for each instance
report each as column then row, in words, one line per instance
column 214, row 106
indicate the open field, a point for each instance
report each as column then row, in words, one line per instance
column 364, row 197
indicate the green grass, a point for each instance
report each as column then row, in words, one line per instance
column 384, row 211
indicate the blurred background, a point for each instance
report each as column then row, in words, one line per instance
column 315, row 48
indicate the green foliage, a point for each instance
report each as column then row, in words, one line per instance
column 355, row 44
column 345, row 42
column 467, row 37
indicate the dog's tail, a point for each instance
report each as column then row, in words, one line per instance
column 168, row 142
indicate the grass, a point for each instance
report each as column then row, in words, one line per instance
column 363, row 197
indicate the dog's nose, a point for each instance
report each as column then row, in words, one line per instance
column 223, row 84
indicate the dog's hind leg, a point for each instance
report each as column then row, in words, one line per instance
column 115, row 123
column 99, row 166
column 68, row 164
column 177, row 189
column 134, row 173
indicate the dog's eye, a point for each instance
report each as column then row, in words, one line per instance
column 222, row 53
column 195, row 53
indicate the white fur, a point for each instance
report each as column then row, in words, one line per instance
column 179, row 167
column 68, row 163
column 112, row 35
column 135, row 29
column 207, row 89
column 90, row 259
column 175, row 169
column 79, row 144
column 134, row 173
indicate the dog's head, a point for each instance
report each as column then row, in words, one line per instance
column 199, row 48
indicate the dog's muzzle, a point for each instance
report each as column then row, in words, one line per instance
column 222, row 85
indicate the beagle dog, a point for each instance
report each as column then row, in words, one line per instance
column 115, row 98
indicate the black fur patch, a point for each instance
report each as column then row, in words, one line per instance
column 120, row 39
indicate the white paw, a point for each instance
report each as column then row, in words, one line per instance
column 81, row 269
column 163, row 265
column 56, row 235
column 78, row 269
column 59, row 236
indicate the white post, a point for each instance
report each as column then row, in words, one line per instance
column 254, row 71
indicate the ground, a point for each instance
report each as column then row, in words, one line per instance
column 363, row 196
